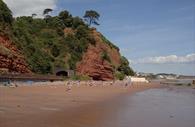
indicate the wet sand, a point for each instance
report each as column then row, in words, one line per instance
column 166, row 107
column 52, row 105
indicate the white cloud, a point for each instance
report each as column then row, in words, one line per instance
column 190, row 58
column 28, row 7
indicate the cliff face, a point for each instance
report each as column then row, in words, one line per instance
column 10, row 58
column 92, row 63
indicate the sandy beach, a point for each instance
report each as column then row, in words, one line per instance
column 52, row 105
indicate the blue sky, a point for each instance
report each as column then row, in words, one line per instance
column 155, row 35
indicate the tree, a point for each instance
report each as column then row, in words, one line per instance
column 46, row 14
column 66, row 18
column 34, row 15
column 47, row 10
column 5, row 13
column 77, row 22
column 91, row 17
column 82, row 32
column 64, row 15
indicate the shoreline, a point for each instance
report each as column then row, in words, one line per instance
column 46, row 105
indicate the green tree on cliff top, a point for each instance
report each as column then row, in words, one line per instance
column 91, row 17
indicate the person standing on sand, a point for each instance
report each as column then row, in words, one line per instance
column 15, row 84
column 69, row 86
column 128, row 81
column 90, row 83
column 78, row 83
column 126, row 84
column 114, row 82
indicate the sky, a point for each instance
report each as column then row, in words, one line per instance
column 156, row 36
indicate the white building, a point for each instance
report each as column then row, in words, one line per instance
column 136, row 79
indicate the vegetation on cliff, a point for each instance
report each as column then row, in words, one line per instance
column 6, row 18
column 54, row 41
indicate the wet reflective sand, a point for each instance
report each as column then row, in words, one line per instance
column 170, row 107
column 99, row 106
column 51, row 105
column 167, row 107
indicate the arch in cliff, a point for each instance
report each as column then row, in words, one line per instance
column 62, row 73
column 96, row 78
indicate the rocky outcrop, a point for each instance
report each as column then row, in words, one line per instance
column 92, row 63
column 10, row 58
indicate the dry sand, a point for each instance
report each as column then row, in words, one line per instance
column 51, row 105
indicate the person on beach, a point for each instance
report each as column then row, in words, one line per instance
column 12, row 84
column 113, row 82
column 126, row 84
column 15, row 84
column 69, row 86
column 79, row 82
column 90, row 83
column 127, row 81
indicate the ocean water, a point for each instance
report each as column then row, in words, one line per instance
column 170, row 107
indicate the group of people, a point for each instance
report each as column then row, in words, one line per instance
column 91, row 83
column 78, row 83
column 10, row 83
column 69, row 84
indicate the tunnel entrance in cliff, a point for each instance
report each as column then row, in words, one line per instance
column 62, row 73
column 96, row 78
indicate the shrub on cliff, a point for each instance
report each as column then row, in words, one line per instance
column 55, row 51
column 124, row 67
column 66, row 18
column 40, row 62
column 119, row 75
column 105, row 56
column 6, row 18
column 76, row 22
column 5, row 13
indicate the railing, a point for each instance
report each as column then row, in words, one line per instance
column 4, row 77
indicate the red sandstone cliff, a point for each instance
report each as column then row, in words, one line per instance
column 10, row 58
column 92, row 63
